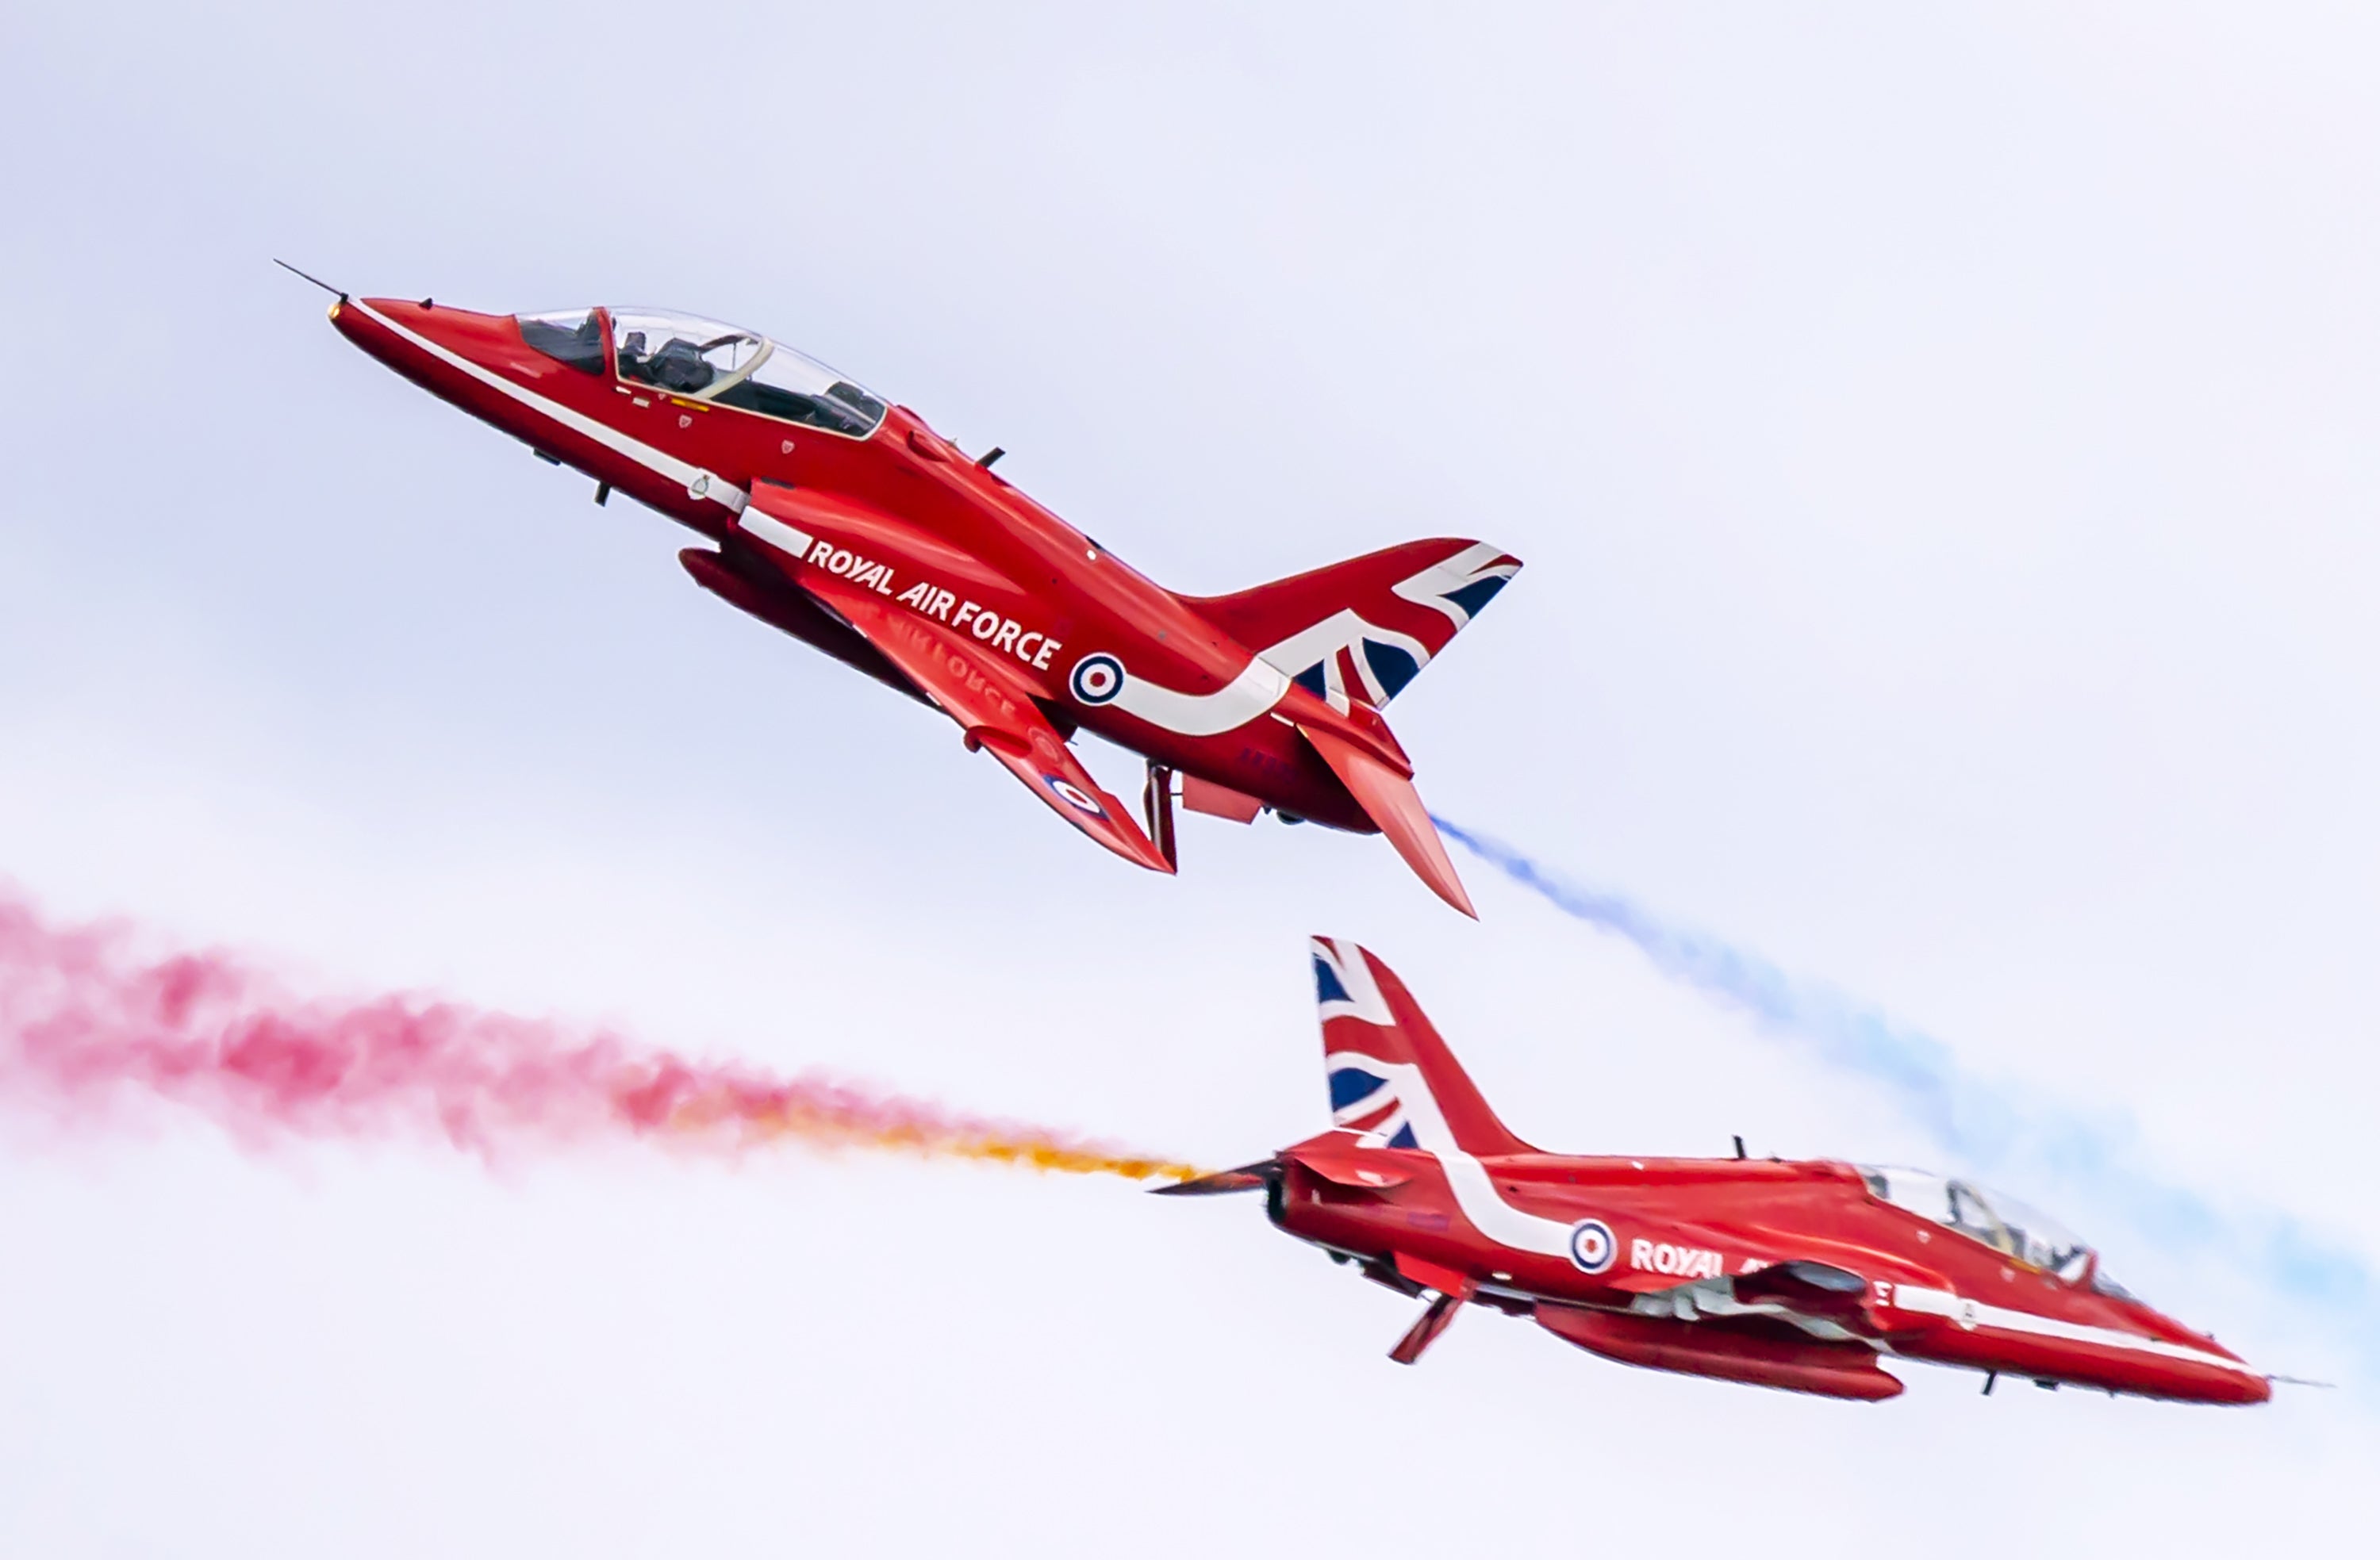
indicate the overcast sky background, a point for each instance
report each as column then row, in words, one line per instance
column 1942, row 449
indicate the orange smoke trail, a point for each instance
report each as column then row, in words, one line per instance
column 85, row 1024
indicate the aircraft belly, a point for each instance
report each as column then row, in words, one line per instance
column 1225, row 734
column 1264, row 759
column 1420, row 1217
column 791, row 611
column 626, row 475
column 1756, row 1358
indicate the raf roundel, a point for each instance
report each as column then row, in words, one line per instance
column 1591, row 1246
column 1073, row 795
column 1097, row 679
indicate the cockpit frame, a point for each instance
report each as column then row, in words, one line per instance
column 759, row 376
column 2006, row 1226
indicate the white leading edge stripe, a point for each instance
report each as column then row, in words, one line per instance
column 714, row 488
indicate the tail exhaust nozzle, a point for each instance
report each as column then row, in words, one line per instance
column 1246, row 1178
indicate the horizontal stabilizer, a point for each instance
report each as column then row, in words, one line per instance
column 1365, row 1171
column 1390, row 801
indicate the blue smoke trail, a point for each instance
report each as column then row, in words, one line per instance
column 1980, row 1123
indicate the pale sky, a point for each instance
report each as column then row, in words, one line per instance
column 1942, row 448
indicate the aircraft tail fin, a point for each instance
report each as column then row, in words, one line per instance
column 1362, row 629
column 1393, row 1079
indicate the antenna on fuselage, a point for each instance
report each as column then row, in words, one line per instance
column 316, row 280
column 1739, row 1147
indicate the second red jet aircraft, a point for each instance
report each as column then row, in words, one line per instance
column 849, row 522
column 1803, row 1275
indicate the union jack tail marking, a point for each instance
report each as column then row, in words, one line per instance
column 1392, row 1078
column 1362, row 630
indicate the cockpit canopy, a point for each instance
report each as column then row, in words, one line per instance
column 704, row 361
column 1992, row 1218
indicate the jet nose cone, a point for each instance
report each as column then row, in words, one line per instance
column 410, row 311
column 412, row 334
column 2241, row 1387
column 375, row 323
column 416, row 315
column 346, row 319
column 2216, row 1375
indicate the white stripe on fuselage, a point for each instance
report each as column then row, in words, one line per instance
column 1945, row 1303
column 661, row 462
column 1474, row 1193
column 1257, row 688
column 793, row 544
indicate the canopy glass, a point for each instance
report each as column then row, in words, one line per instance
column 706, row 360
column 1991, row 1218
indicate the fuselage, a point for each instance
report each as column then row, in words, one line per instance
column 919, row 520
column 1601, row 1250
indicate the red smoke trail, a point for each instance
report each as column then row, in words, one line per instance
column 85, row 1023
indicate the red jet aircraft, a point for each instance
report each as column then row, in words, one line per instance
column 849, row 522
column 1800, row 1275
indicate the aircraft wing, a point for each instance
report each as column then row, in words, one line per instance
column 993, row 709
